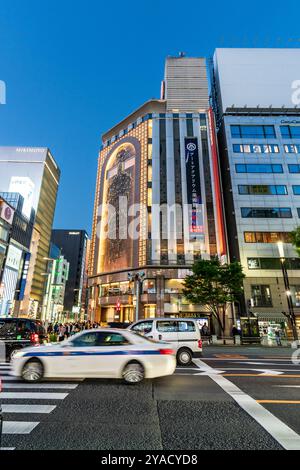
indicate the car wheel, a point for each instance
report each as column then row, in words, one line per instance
column 32, row 371
column 184, row 357
column 133, row 373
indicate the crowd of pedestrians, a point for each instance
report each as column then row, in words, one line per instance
column 63, row 331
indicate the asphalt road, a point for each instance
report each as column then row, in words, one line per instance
column 234, row 398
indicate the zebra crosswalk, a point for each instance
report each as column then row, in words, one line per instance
column 24, row 405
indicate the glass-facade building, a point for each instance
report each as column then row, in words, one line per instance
column 34, row 174
column 259, row 146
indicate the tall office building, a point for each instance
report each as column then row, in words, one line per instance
column 256, row 98
column 158, row 203
column 57, row 277
column 74, row 246
column 34, row 174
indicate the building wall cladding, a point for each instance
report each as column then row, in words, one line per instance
column 163, row 172
column 43, row 224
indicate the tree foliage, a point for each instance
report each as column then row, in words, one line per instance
column 295, row 239
column 215, row 285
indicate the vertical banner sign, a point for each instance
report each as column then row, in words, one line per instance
column 193, row 182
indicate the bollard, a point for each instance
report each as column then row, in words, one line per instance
column 237, row 340
column 214, row 339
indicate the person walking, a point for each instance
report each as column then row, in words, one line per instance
column 278, row 337
column 61, row 333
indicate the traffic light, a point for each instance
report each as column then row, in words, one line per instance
column 118, row 307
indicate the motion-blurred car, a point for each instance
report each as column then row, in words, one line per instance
column 100, row 353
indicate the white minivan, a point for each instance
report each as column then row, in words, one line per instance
column 183, row 333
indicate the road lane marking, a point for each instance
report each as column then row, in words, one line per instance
column 283, row 376
column 42, row 409
column 7, row 448
column 282, row 433
column 284, row 402
column 10, row 378
column 33, row 396
column 288, row 359
column 18, row 427
column 40, row 386
column 230, row 356
column 287, row 386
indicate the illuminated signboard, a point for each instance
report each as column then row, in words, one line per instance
column 194, row 198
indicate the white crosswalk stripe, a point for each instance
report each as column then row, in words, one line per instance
column 18, row 427
column 53, row 386
column 42, row 409
column 33, row 396
column 18, row 398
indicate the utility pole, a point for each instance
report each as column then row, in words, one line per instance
column 287, row 290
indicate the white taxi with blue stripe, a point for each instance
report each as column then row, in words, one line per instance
column 99, row 353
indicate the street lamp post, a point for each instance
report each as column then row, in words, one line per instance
column 287, row 290
column 138, row 278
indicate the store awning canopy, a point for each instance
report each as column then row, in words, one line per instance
column 268, row 316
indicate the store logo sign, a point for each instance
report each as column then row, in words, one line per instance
column 6, row 213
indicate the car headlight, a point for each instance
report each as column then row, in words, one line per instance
column 18, row 354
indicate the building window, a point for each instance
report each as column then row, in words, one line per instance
column 266, row 237
column 261, row 295
column 253, row 132
column 272, row 263
column 291, row 148
column 295, row 295
column 290, row 132
column 266, row 213
column 294, row 168
column 296, row 190
column 262, row 189
column 255, row 148
column 260, row 168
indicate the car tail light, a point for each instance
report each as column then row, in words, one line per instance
column 200, row 343
column 34, row 338
column 166, row 351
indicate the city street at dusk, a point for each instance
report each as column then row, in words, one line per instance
column 190, row 410
column 149, row 233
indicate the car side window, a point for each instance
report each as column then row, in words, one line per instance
column 167, row 326
column 186, row 326
column 7, row 328
column 86, row 340
column 112, row 339
column 143, row 327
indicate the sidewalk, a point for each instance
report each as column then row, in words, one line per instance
column 244, row 349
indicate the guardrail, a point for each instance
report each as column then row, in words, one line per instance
column 245, row 340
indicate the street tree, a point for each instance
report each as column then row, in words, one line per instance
column 215, row 285
column 295, row 239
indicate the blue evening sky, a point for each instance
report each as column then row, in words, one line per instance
column 73, row 68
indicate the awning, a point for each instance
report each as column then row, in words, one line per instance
column 268, row 316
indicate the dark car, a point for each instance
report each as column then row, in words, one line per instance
column 118, row 324
column 17, row 333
